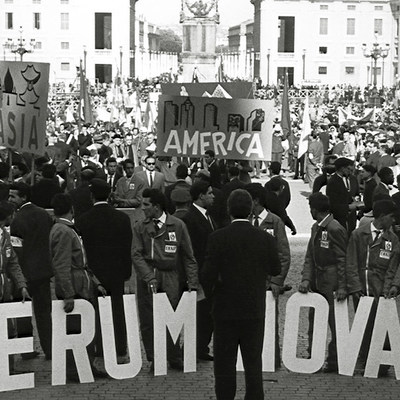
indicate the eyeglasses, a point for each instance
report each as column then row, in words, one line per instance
column 151, row 163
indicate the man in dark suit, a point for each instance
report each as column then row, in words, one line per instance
column 387, row 178
column 107, row 237
column 367, row 174
column 275, row 171
column 149, row 177
column 30, row 232
column 342, row 190
column 43, row 191
column 213, row 168
column 112, row 172
column 233, row 184
column 239, row 259
column 200, row 226
column 81, row 197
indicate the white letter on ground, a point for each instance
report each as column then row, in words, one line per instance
column 295, row 302
column 75, row 342
column 115, row 370
column 165, row 317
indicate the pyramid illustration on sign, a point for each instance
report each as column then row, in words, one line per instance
column 221, row 93
column 206, row 94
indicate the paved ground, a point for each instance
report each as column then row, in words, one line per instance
column 175, row 386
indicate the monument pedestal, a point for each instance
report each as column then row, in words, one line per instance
column 204, row 63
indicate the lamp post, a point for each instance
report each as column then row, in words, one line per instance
column 304, row 64
column 84, row 58
column 268, row 61
column 375, row 53
column 19, row 47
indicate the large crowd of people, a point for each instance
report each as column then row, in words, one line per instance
column 92, row 173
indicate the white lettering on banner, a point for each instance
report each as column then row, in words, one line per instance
column 321, row 309
column 386, row 324
column 184, row 318
column 75, row 342
column 165, row 316
column 186, row 144
column 348, row 341
column 14, row 346
column 115, row 370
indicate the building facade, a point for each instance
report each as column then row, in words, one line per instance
column 325, row 42
column 107, row 36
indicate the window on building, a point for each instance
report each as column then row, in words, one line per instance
column 349, row 70
column 38, row 45
column 64, row 45
column 64, row 21
column 378, row 26
column 286, row 35
column 323, row 50
column 36, row 20
column 36, row 1
column 103, row 31
column 103, row 73
column 351, row 7
column 322, row 70
column 378, row 8
column 8, row 1
column 350, row 50
column 323, row 7
column 378, row 70
column 65, row 66
column 323, row 26
column 351, row 26
column 64, row 1
column 9, row 20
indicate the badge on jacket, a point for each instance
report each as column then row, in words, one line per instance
column 172, row 236
column 170, row 249
column 388, row 245
column 131, row 186
column 270, row 231
column 384, row 254
column 324, row 235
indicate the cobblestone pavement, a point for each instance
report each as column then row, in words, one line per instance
column 176, row 385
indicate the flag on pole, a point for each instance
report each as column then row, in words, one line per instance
column 306, row 131
column 285, row 116
column 138, row 113
column 85, row 106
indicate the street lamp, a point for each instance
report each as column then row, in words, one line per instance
column 268, row 61
column 120, row 60
column 19, row 47
column 84, row 58
column 304, row 64
column 375, row 53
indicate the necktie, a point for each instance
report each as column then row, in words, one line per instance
column 347, row 183
column 156, row 226
column 210, row 221
column 151, row 179
column 120, row 153
column 110, row 181
column 256, row 223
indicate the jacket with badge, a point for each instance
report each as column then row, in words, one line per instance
column 273, row 225
column 154, row 252
column 11, row 275
column 325, row 260
column 72, row 277
column 129, row 190
column 372, row 267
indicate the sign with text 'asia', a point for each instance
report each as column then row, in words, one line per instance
column 237, row 129
column 23, row 105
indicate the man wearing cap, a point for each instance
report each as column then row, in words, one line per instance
column 324, row 267
column 118, row 150
column 342, row 190
column 181, row 183
column 372, row 266
column 107, row 237
column 181, row 199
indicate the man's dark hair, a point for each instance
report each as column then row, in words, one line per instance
column 128, row 161
column 319, row 202
column 156, row 196
column 234, row 171
column 239, row 204
column 110, row 159
column 61, row 203
column 198, row 188
column 149, row 156
column 210, row 153
column 23, row 189
column 384, row 173
column 6, row 209
column 369, row 168
column 49, row 171
column 4, row 170
column 84, row 152
column 87, row 174
column 275, row 184
column 275, row 167
column 181, row 171
column 256, row 191
column 383, row 207
column 22, row 167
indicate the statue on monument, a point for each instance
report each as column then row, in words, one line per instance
column 200, row 8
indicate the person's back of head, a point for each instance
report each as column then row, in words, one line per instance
column 181, row 171
column 240, row 204
column 275, row 185
column 233, row 172
column 275, row 167
column 198, row 188
column 100, row 189
column 61, row 204
column 87, row 174
column 386, row 175
column 257, row 192
column 49, row 171
column 319, row 202
column 4, row 170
